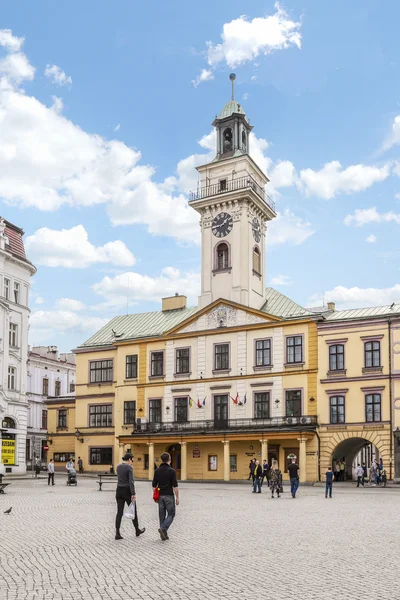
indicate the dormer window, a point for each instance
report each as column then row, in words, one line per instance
column 222, row 258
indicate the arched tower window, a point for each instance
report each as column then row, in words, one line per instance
column 222, row 257
column 244, row 141
column 227, row 140
column 256, row 261
column 9, row 423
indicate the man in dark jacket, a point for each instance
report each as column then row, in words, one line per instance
column 258, row 473
column 126, row 493
column 165, row 479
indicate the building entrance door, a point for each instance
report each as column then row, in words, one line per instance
column 175, row 452
column 221, row 411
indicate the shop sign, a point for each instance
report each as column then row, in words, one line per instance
column 196, row 452
column 8, row 452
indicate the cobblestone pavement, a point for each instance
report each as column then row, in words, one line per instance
column 58, row 544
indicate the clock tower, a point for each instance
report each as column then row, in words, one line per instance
column 234, row 209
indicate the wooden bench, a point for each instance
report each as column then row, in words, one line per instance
column 106, row 478
column 3, row 487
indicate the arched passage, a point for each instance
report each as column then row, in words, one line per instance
column 348, row 450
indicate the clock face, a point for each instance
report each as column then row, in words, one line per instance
column 222, row 224
column 256, row 227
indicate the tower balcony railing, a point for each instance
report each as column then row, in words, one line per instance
column 301, row 423
column 232, row 185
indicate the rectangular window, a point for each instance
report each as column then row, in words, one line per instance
column 233, row 463
column 261, row 405
column 63, row 457
column 293, row 403
column 222, row 185
column 16, row 292
column 336, row 405
column 101, row 371
column 212, row 462
column 101, row 456
column 45, row 386
column 373, row 408
column 11, row 377
column 336, row 357
column 6, row 288
column 62, row 419
column 155, row 411
column 130, row 412
column 372, row 351
column 131, row 366
column 57, row 389
column 27, row 449
column 146, row 462
column 263, row 353
column 100, row 415
column 181, row 410
column 294, row 349
column 157, row 364
column 44, row 419
column 12, row 335
column 71, row 388
column 221, row 358
column 182, row 360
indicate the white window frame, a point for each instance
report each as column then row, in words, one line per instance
column 6, row 288
column 13, row 335
column 17, row 292
column 12, row 376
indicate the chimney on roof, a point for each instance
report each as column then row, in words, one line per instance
column 331, row 306
column 173, row 302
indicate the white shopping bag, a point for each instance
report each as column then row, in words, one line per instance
column 130, row 514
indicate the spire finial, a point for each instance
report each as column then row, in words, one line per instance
column 232, row 77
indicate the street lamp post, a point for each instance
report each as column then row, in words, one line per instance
column 33, row 438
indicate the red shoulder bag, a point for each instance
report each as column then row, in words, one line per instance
column 156, row 494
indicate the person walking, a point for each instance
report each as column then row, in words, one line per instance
column 342, row 470
column 372, row 474
column 258, row 473
column 126, row 493
column 275, row 479
column 365, row 474
column 80, row 464
column 337, row 471
column 328, row 482
column 50, row 470
column 252, row 464
column 294, row 477
column 265, row 468
column 360, row 475
column 70, row 464
column 37, row 467
column 165, row 479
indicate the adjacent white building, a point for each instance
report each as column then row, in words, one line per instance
column 15, row 274
column 50, row 374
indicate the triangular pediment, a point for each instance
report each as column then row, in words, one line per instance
column 223, row 313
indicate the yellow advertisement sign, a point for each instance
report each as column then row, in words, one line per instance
column 8, row 452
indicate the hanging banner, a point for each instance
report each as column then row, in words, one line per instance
column 8, row 452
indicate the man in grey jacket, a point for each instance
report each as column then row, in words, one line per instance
column 126, row 493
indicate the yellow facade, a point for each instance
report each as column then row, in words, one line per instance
column 61, row 440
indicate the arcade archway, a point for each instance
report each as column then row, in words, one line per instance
column 353, row 450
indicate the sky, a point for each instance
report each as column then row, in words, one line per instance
column 106, row 109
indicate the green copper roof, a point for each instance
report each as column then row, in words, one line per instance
column 231, row 107
column 279, row 305
column 363, row 313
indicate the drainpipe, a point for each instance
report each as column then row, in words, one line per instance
column 390, row 399
column 319, row 455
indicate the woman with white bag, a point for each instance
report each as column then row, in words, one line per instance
column 126, row 494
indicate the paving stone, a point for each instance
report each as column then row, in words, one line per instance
column 58, row 544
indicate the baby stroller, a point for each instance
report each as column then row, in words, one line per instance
column 72, row 480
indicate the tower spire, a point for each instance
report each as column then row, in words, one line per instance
column 232, row 77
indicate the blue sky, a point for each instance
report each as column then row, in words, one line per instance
column 103, row 106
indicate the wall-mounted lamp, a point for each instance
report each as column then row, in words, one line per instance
column 250, row 447
column 78, row 436
column 277, row 401
column 140, row 409
column 167, row 408
column 50, row 442
column 312, row 399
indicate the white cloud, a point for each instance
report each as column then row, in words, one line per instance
column 15, row 68
column 364, row 216
column 117, row 127
column 70, row 304
column 332, row 179
column 205, row 75
column 281, row 280
column 393, row 139
column 10, row 41
column 46, row 325
column 371, row 239
column 356, row 297
column 137, row 287
column 288, row 228
column 57, row 75
column 71, row 248
column 246, row 96
column 39, row 300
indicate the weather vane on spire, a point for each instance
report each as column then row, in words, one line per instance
column 232, row 77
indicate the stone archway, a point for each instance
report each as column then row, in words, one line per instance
column 349, row 443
